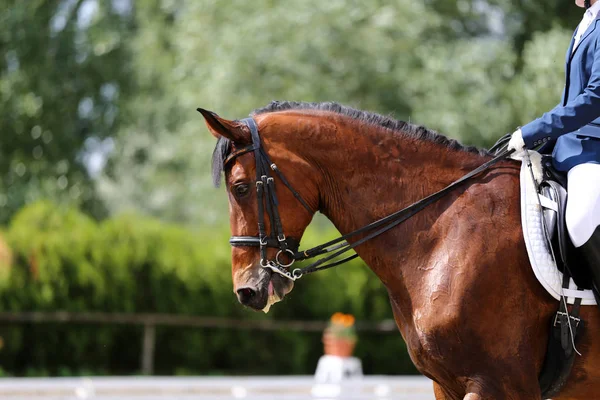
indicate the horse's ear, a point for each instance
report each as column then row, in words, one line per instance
column 235, row 131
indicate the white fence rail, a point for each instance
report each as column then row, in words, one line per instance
column 215, row 388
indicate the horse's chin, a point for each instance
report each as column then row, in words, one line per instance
column 277, row 288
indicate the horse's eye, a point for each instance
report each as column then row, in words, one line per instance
column 241, row 190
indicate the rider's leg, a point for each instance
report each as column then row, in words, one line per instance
column 583, row 214
column 583, row 205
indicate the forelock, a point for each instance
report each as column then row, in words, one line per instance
column 220, row 153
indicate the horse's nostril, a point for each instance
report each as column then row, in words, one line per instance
column 245, row 294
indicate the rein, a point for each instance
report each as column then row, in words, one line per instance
column 267, row 200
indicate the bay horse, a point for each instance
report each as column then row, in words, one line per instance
column 473, row 316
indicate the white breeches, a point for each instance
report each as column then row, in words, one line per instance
column 583, row 203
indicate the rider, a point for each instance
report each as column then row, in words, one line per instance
column 571, row 130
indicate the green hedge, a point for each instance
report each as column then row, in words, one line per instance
column 62, row 260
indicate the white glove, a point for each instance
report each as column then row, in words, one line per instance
column 521, row 154
column 516, row 142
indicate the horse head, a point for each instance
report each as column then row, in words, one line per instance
column 255, row 285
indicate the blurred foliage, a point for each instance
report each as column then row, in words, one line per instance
column 121, row 80
column 63, row 260
column 461, row 67
column 523, row 19
column 63, row 75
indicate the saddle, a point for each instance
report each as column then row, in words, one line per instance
column 553, row 197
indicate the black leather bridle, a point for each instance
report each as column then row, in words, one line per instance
column 287, row 246
column 267, row 200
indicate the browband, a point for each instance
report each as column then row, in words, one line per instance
column 239, row 152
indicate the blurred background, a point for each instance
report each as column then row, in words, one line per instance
column 114, row 257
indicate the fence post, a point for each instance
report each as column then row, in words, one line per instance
column 148, row 348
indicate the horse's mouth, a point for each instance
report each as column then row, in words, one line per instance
column 260, row 291
column 277, row 288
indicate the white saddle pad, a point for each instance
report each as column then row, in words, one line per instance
column 542, row 263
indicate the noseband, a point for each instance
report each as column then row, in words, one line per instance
column 287, row 246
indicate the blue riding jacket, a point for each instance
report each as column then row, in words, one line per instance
column 571, row 130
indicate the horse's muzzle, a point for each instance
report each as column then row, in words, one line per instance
column 252, row 297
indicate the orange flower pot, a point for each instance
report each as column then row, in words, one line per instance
column 338, row 346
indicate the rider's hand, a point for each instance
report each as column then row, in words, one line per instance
column 520, row 153
column 516, row 142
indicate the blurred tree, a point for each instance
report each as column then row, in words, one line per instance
column 522, row 19
column 481, row 89
column 232, row 58
column 63, row 75
column 124, row 78
column 538, row 87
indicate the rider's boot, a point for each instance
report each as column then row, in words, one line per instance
column 590, row 251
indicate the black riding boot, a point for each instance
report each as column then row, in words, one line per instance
column 590, row 251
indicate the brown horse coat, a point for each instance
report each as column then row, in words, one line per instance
column 474, row 317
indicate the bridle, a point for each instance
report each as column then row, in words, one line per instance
column 267, row 200
column 288, row 246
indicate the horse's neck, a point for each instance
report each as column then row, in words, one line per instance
column 383, row 173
